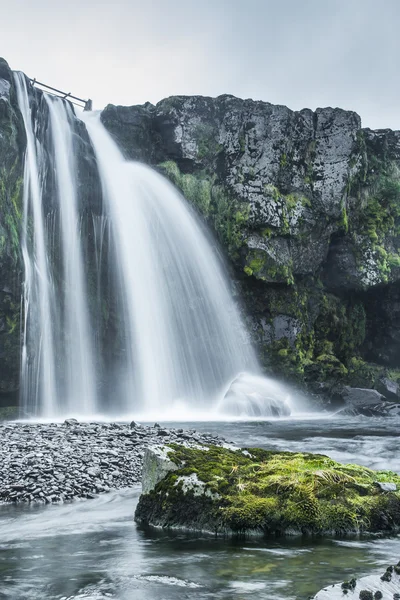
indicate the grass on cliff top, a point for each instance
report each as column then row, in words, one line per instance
column 282, row 491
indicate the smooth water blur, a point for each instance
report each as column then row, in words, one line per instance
column 185, row 339
column 38, row 378
column 57, row 372
column 79, row 395
column 94, row 550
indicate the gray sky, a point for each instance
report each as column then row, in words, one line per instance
column 301, row 53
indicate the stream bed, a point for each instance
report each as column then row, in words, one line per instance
column 92, row 549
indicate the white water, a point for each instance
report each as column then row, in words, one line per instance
column 185, row 350
column 79, row 389
column 38, row 368
column 186, row 341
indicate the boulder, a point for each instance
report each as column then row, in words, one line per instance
column 367, row 402
column 362, row 397
column 232, row 491
column 390, row 389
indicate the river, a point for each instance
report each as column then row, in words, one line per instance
column 93, row 549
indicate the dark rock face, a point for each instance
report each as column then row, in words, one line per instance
column 306, row 206
column 12, row 143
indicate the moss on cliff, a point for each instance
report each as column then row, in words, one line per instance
column 270, row 492
column 226, row 215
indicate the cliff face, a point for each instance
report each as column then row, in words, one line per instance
column 12, row 144
column 307, row 207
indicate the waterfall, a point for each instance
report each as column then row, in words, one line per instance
column 57, row 370
column 38, row 380
column 185, row 339
column 79, row 395
column 178, row 346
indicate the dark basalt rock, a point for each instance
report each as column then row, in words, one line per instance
column 305, row 205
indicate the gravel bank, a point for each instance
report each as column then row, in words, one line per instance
column 45, row 463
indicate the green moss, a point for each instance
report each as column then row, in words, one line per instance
column 11, row 209
column 393, row 260
column 344, row 221
column 279, row 492
column 376, row 219
column 227, row 216
column 265, row 268
column 207, row 144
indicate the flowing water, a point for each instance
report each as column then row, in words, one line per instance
column 80, row 387
column 179, row 338
column 186, row 341
column 57, row 372
column 93, row 549
column 38, row 360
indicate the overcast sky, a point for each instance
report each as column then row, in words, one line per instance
column 301, row 53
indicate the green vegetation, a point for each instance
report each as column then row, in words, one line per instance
column 11, row 208
column 226, row 215
column 377, row 218
column 276, row 493
column 207, row 145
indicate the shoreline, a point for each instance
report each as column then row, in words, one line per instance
column 50, row 463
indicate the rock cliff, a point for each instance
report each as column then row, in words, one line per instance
column 307, row 208
column 12, row 144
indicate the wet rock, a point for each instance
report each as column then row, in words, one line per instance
column 224, row 490
column 367, row 402
column 372, row 587
column 156, row 465
column 386, row 487
column 390, row 389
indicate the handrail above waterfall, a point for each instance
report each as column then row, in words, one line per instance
column 85, row 104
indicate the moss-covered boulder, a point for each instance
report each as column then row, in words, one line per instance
column 254, row 491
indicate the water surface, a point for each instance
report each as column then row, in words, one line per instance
column 93, row 549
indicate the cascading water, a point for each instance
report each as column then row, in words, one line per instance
column 182, row 343
column 186, row 341
column 57, row 371
column 38, row 379
column 79, row 386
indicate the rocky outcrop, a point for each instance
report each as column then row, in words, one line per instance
column 231, row 491
column 367, row 402
column 306, row 206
